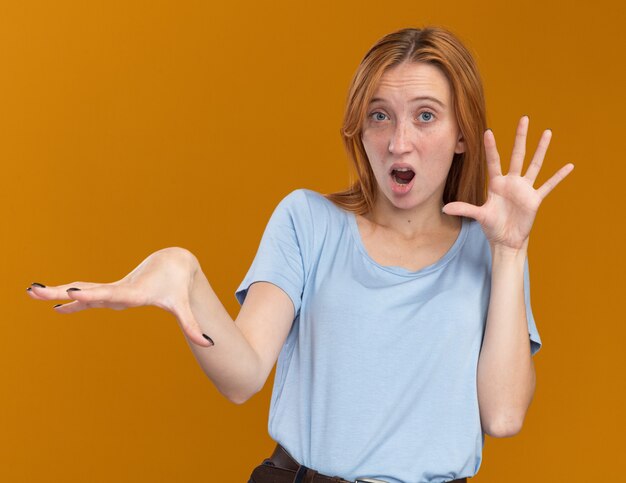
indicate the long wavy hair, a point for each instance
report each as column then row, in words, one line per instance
column 466, row 179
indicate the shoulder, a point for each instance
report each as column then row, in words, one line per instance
column 308, row 203
column 315, row 220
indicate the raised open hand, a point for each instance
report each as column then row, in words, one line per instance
column 512, row 203
column 163, row 279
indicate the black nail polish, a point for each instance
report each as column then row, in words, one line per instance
column 41, row 285
column 72, row 289
column 208, row 338
column 29, row 289
column 57, row 305
column 488, row 129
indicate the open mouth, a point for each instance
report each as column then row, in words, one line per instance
column 402, row 175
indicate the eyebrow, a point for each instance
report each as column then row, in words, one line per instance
column 419, row 98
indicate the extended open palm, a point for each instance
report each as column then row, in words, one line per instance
column 163, row 279
column 512, row 202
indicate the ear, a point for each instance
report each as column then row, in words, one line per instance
column 460, row 144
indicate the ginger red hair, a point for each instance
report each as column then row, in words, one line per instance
column 466, row 179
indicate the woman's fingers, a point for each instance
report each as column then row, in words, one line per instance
column 494, row 168
column 460, row 208
column 33, row 294
column 519, row 147
column 556, row 178
column 70, row 307
column 89, row 295
column 108, row 295
column 116, row 296
column 162, row 279
column 540, row 153
column 54, row 292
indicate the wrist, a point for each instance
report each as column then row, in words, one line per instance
column 196, row 275
column 506, row 253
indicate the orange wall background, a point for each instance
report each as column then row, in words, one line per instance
column 127, row 127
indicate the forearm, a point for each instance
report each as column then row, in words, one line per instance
column 231, row 363
column 506, row 374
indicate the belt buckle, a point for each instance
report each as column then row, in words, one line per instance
column 369, row 480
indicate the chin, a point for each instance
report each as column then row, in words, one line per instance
column 408, row 200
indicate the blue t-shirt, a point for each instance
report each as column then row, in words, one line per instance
column 377, row 377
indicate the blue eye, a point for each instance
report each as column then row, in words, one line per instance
column 426, row 116
column 378, row 118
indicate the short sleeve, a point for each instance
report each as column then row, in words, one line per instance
column 533, row 333
column 281, row 253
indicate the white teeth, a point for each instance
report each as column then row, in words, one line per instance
column 402, row 169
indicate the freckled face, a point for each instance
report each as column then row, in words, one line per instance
column 410, row 135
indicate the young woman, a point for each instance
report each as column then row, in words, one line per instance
column 398, row 310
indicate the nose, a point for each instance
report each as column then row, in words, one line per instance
column 400, row 141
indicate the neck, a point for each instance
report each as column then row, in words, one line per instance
column 409, row 223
